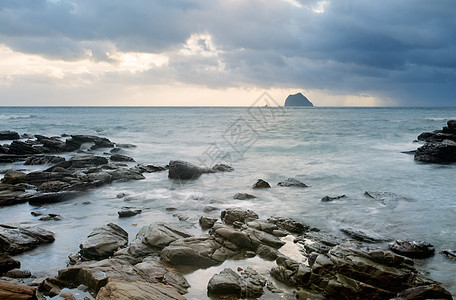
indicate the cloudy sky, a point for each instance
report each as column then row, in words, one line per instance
column 227, row 52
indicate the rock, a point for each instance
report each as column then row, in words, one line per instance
column 23, row 148
column 184, row 170
column 297, row 100
column 222, row 168
column 18, row 273
column 452, row 125
column 9, row 290
column 121, row 195
column 9, row 135
column 363, row 236
column 15, row 239
column 138, row 290
column 413, row 249
column 14, row 176
column 124, row 174
column 43, row 198
column 261, row 184
column 104, row 241
column 386, row 198
column 432, row 291
column 437, row 152
column 207, row 222
column 51, row 217
column 44, row 160
column 329, row 199
column 129, row 213
column 243, row 196
column 449, row 253
column 52, row 186
column 99, row 142
column 120, row 157
column 12, row 194
column 227, row 282
column 7, row 263
column 292, row 182
column 145, row 168
column 126, row 146
column 84, row 161
column 289, row 224
column 267, row 252
column 153, row 238
column 231, row 215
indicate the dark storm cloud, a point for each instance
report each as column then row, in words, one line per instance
column 403, row 50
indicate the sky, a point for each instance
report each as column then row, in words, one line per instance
column 227, row 52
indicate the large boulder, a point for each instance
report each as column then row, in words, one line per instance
column 9, row 135
column 8, row 263
column 437, row 152
column 413, row 249
column 138, row 290
column 228, row 283
column 104, row 241
column 23, row 148
column 16, row 239
column 184, row 170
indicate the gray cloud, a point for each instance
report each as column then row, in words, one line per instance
column 403, row 50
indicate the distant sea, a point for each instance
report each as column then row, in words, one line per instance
column 336, row 151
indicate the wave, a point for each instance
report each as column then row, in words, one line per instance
column 440, row 119
column 14, row 117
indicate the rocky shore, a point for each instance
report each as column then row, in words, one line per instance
column 440, row 145
column 155, row 263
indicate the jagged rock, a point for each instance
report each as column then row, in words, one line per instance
column 13, row 177
column 52, row 186
column 239, row 238
column 129, row 213
column 51, row 217
column 363, row 235
column 451, row 254
column 243, row 196
column 7, row 263
column 207, row 222
column 289, row 224
column 99, row 142
column 120, row 157
column 44, row 160
column 231, row 215
column 9, row 135
column 261, row 184
column 18, row 273
column 329, row 199
column 227, row 282
column 413, row 249
column 9, row 290
column 124, row 174
column 153, row 238
column 222, row 168
column 432, row 291
column 437, row 152
column 292, row 182
column 84, row 161
column 267, row 252
column 145, row 168
column 104, row 241
column 12, row 194
column 126, row 146
column 138, row 290
column 15, row 239
column 23, row 148
column 184, row 170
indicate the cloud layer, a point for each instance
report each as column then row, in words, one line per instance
column 403, row 51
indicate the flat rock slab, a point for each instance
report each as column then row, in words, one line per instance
column 104, row 241
column 9, row 290
column 138, row 290
column 413, row 249
column 291, row 182
column 16, row 239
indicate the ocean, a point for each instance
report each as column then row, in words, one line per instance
column 336, row 151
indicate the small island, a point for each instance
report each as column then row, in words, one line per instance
column 297, row 100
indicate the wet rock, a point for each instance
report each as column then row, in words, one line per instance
column 208, row 209
column 451, row 254
column 227, row 282
column 121, row 195
column 7, row 263
column 51, row 217
column 84, row 161
column 292, row 182
column 44, row 160
column 437, row 152
column 432, row 291
column 14, row 177
column 289, row 224
column 184, row 170
column 9, row 135
column 120, row 157
column 9, row 290
column 23, row 148
column 15, row 239
column 207, row 222
column 261, row 184
column 52, row 186
column 153, row 238
column 363, row 235
column 267, row 252
column 126, row 146
column 329, row 199
column 222, row 168
column 104, row 241
column 12, row 194
column 243, row 196
column 138, row 290
column 263, row 225
column 18, row 273
column 99, row 142
column 124, row 174
column 43, row 198
column 181, row 216
column 452, row 125
column 239, row 238
column 145, row 168
column 413, row 249
column 129, row 213
column 231, row 215
column 386, row 198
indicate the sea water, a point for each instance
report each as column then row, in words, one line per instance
column 336, row 151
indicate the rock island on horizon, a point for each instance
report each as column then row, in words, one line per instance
column 297, row 100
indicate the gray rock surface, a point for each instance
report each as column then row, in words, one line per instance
column 104, row 241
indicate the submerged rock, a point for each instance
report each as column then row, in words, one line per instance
column 261, row 184
column 184, row 170
column 243, row 196
column 120, row 157
column 104, row 241
column 125, row 213
column 363, row 235
column 413, row 249
column 292, row 182
column 329, row 199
